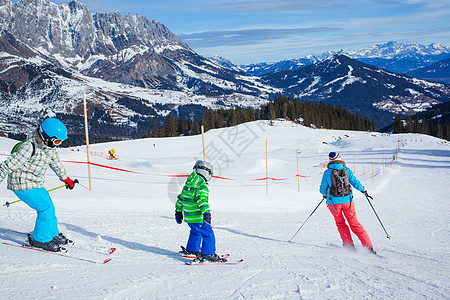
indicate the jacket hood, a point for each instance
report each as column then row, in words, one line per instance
column 336, row 164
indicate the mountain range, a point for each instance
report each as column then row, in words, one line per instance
column 365, row 89
column 392, row 56
column 50, row 53
column 439, row 71
column 135, row 72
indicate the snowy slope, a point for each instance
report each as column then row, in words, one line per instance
column 134, row 212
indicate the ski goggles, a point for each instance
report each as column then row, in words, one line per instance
column 206, row 169
column 56, row 141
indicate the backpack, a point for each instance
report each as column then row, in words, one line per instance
column 340, row 186
column 16, row 147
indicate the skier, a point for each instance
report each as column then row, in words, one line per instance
column 26, row 168
column 193, row 204
column 335, row 187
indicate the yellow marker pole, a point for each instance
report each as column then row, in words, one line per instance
column 87, row 140
column 298, row 174
column 267, row 173
column 203, row 142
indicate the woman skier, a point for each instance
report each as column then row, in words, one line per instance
column 336, row 188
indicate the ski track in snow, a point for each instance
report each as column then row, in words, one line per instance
column 135, row 214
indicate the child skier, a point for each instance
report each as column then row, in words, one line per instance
column 335, row 187
column 193, row 203
column 26, row 169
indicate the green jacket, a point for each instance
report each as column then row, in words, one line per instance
column 193, row 200
column 26, row 171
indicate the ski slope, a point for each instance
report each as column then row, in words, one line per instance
column 134, row 212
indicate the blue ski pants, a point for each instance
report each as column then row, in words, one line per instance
column 46, row 226
column 201, row 233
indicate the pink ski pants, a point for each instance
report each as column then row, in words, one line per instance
column 348, row 210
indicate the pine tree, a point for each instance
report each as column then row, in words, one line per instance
column 397, row 126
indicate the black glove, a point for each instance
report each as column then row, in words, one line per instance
column 366, row 194
column 207, row 217
column 179, row 217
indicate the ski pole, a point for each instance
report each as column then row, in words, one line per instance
column 367, row 197
column 7, row 204
column 82, row 185
column 306, row 219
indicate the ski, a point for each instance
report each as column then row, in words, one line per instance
column 196, row 262
column 186, row 254
column 106, row 251
column 194, row 256
column 58, row 253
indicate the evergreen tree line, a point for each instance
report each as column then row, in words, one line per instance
column 309, row 114
column 421, row 125
column 435, row 121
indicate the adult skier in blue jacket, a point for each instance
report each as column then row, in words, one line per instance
column 336, row 188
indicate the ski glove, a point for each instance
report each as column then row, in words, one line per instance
column 207, row 217
column 179, row 217
column 366, row 194
column 70, row 184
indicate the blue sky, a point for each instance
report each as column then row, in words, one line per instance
column 250, row 31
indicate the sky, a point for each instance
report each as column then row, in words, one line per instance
column 252, row 31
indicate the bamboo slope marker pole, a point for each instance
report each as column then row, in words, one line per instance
column 298, row 174
column 87, row 140
column 373, row 176
column 267, row 173
column 364, row 172
column 381, row 168
column 203, row 142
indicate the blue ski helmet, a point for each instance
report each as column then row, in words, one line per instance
column 51, row 130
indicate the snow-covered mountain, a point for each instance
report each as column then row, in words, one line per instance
column 365, row 89
column 392, row 56
column 134, row 212
column 50, row 53
column 439, row 71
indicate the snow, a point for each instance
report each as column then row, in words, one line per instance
column 135, row 213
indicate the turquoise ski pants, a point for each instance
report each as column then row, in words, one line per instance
column 46, row 226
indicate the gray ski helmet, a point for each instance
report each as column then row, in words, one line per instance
column 204, row 169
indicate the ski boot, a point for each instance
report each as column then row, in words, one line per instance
column 212, row 258
column 371, row 250
column 62, row 240
column 184, row 251
column 51, row 246
column 350, row 247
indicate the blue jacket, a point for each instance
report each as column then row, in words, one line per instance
column 326, row 183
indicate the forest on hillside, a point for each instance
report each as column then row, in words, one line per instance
column 435, row 122
column 318, row 115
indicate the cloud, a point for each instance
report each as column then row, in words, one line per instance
column 286, row 5
column 246, row 36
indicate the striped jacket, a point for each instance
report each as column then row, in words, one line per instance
column 193, row 200
column 26, row 171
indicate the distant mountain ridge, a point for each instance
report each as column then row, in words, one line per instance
column 392, row 56
column 439, row 71
column 365, row 89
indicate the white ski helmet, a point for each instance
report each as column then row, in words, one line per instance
column 204, row 169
